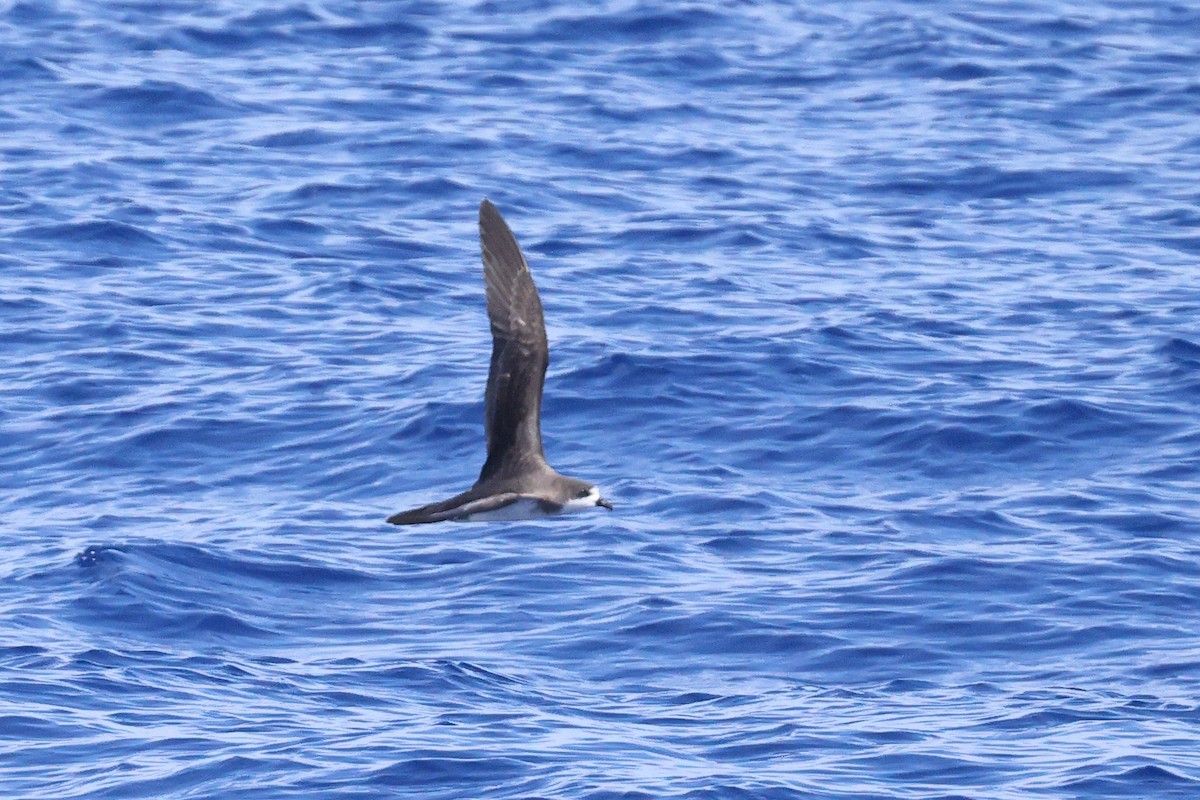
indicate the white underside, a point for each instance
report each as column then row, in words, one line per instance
column 531, row 509
column 521, row 509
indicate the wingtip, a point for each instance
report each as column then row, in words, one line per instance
column 495, row 235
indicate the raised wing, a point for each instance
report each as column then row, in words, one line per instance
column 520, row 353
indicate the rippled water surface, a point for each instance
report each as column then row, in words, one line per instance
column 877, row 321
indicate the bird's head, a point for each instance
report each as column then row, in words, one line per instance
column 586, row 496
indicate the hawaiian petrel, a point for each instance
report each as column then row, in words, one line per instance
column 516, row 482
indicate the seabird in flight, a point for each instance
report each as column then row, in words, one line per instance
column 516, row 482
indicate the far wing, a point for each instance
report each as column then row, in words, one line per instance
column 454, row 509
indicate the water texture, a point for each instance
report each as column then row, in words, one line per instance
column 877, row 321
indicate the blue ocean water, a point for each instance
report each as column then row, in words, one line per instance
column 878, row 322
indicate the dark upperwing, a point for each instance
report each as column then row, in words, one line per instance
column 520, row 354
column 456, row 508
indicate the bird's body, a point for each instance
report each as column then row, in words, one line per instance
column 515, row 482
